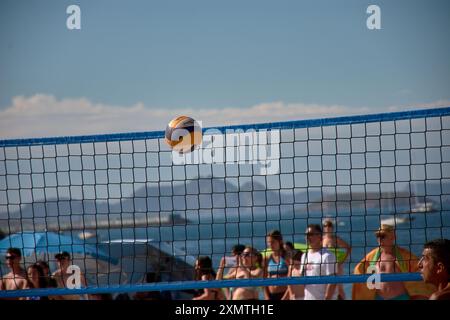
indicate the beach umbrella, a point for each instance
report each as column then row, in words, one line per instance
column 37, row 243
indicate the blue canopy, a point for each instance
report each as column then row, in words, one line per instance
column 49, row 242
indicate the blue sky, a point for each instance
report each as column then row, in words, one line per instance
column 212, row 55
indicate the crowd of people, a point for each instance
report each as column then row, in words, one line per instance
column 280, row 259
column 320, row 259
column 38, row 276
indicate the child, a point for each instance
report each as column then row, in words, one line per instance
column 297, row 291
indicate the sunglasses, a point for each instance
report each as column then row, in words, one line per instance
column 246, row 254
column 10, row 257
column 381, row 236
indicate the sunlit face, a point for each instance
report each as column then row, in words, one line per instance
column 12, row 260
column 313, row 237
column 427, row 266
column 328, row 229
column 273, row 243
column 386, row 239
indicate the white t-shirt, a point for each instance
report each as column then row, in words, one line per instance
column 319, row 263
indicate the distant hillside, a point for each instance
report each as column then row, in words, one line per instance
column 168, row 203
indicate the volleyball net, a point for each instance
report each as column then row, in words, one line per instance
column 134, row 216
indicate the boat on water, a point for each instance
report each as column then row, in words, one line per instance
column 423, row 207
column 393, row 221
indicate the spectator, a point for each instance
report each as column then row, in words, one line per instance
column 297, row 291
column 389, row 258
column 317, row 261
column 36, row 280
column 248, row 267
column 332, row 241
column 62, row 275
column 289, row 248
column 51, row 283
column 435, row 267
column 16, row 279
column 236, row 251
column 204, row 271
column 275, row 265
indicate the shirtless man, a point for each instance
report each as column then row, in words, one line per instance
column 389, row 258
column 17, row 278
column 387, row 263
column 61, row 275
column 331, row 240
column 435, row 267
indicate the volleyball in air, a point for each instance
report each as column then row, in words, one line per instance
column 183, row 134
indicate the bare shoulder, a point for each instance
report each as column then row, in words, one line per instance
column 22, row 283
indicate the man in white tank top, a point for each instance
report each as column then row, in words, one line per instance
column 318, row 261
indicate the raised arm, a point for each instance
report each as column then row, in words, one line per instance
column 219, row 276
column 343, row 244
column 220, row 270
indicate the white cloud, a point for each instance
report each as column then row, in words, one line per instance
column 43, row 115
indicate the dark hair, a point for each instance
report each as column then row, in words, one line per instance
column 297, row 256
column 315, row 227
column 238, row 248
column 440, row 252
column 276, row 235
column 51, row 282
column 328, row 223
column 259, row 257
column 289, row 244
column 41, row 277
column 14, row 251
column 204, row 267
column 43, row 264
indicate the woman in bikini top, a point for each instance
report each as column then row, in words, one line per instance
column 249, row 267
column 276, row 265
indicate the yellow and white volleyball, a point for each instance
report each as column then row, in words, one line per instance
column 183, row 134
